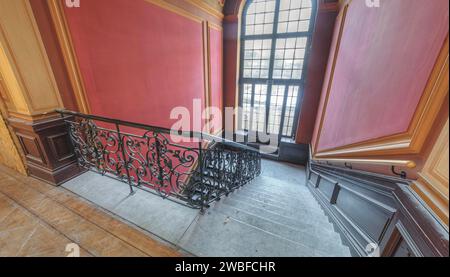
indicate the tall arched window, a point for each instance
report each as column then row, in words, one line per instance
column 275, row 39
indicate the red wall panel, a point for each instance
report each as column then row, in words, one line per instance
column 385, row 59
column 138, row 60
column 215, row 38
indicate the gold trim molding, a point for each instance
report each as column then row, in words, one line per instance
column 206, row 71
column 201, row 4
column 28, row 80
column 407, row 143
column 70, row 59
column 170, row 7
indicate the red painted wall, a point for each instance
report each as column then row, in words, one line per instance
column 215, row 37
column 138, row 60
column 384, row 61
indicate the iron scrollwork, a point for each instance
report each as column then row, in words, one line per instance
column 195, row 173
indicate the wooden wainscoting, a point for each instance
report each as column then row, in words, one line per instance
column 372, row 209
column 47, row 149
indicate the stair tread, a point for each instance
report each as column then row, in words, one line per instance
column 305, row 202
column 304, row 233
column 275, row 206
column 238, row 238
column 301, row 218
column 278, row 208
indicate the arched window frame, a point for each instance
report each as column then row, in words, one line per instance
column 270, row 81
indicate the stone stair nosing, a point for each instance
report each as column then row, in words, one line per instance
column 301, row 217
column 327, row 242
column 283, row 204
column 279, row 208
column 308, row 228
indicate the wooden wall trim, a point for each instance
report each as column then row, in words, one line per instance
column 402, row 163
column 10, row 154
column 433, row 182
column 206, row 71
column 201, row 4
column 410, row 142
column 175, row 9
column 321, row 116
column 375, row 208
column 70, row 59
column 28, row 77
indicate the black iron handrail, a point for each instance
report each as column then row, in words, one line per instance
column 195, row 173
column 189, row 134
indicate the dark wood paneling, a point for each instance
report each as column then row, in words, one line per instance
column 48, row 151
column 31, row 148
column 60, row 147
column 365, row 212
column 294, row 153
column 371, row 209
column 326, row 186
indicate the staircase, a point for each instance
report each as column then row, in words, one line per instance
column 274, row 215
column 248, row 207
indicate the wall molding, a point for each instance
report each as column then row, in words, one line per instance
column 206, row 71
column 206, row 8
column 432, row 184
column 407, row 143
column 29, row 82
column 342, row 15
column 175, row 9
column 69, row 54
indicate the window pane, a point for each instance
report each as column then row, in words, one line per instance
column 294, row 16
column 256, row 58
column 246, row 106
column 291, row 104
column 276, row 109
column 259, row 108
column 287, row 64
column 289, row 57
column 259, row 18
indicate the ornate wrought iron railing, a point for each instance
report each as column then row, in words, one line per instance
column 196, row 171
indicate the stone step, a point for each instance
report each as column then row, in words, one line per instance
column 293, row 203
column 276, row 192
column 218, row 235
column 301, row 196
column 293, row 213
column 300, row 191
column 279, row 183
column 278, row 197
column 278, row 207
column 310, row 235
column 300, row 218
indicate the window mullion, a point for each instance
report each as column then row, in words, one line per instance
column 283, row 112
column 252, row 105
column 272, row 60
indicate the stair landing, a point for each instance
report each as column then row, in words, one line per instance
column 274, row 215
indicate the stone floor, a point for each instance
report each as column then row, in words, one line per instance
column 37, row 219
